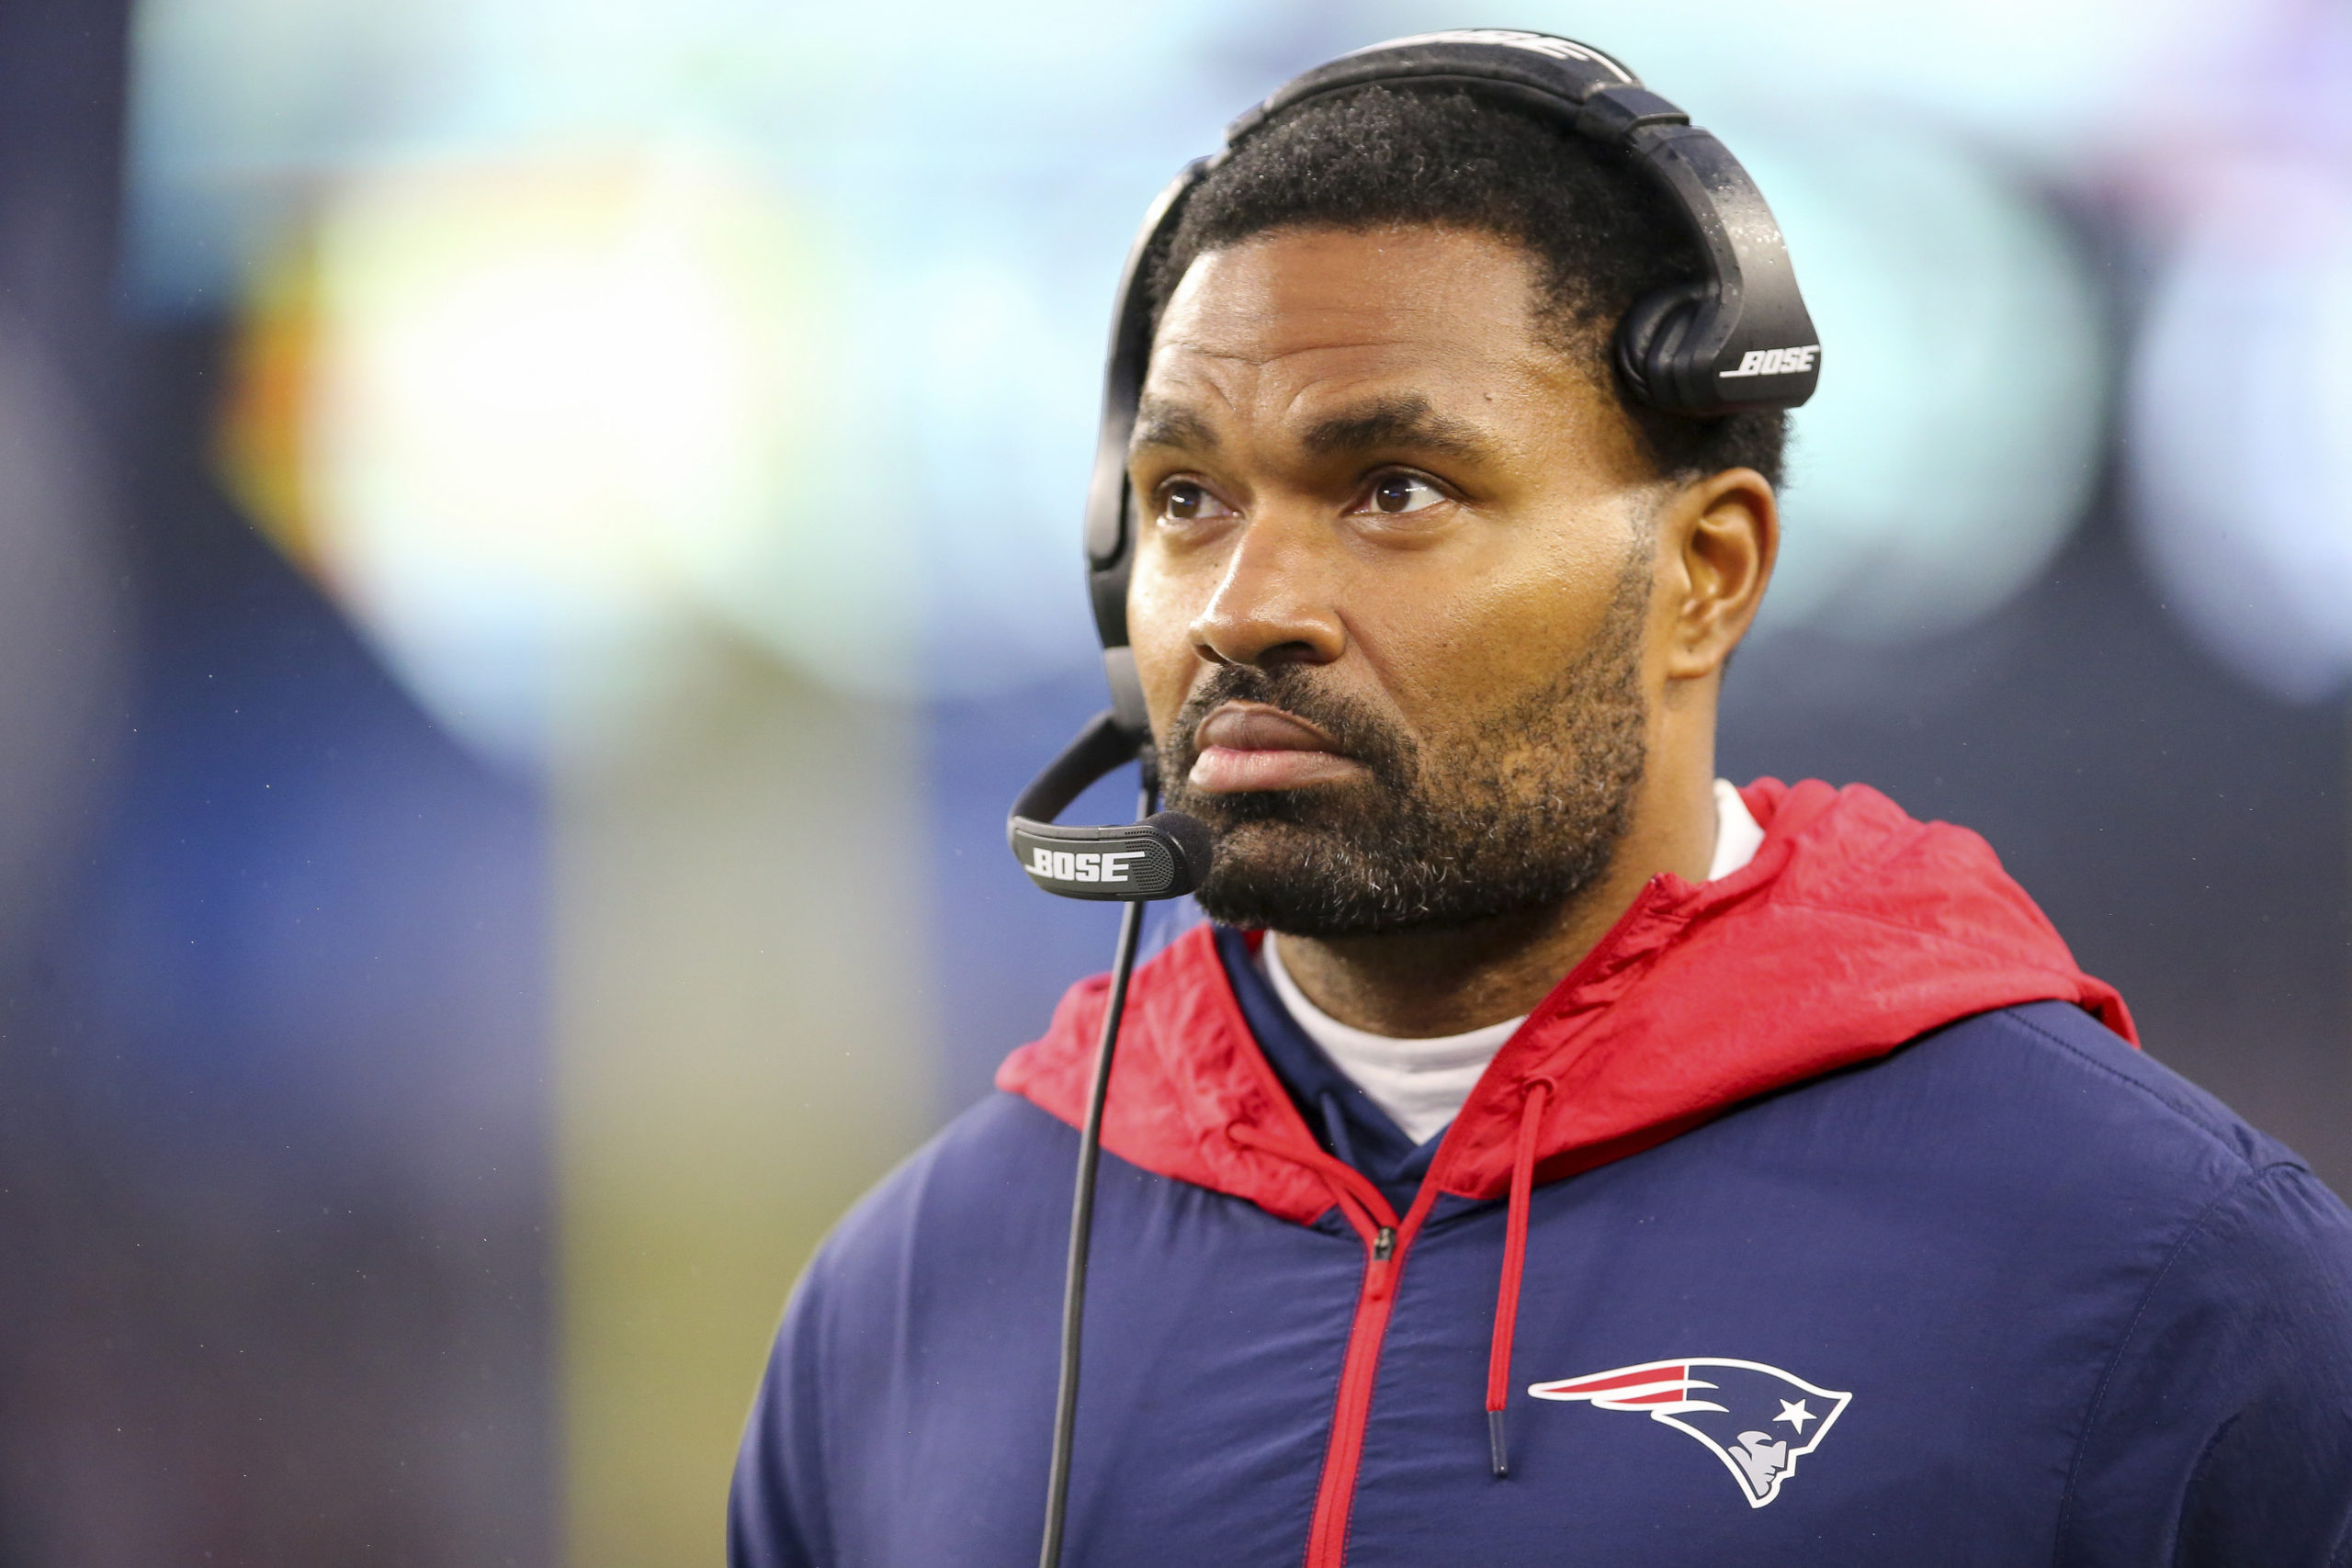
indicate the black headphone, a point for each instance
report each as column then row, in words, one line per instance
column 1738, row 339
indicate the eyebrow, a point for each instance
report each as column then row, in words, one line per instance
column 1163, row 424
column 1404, row 421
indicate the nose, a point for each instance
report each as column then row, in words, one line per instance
column 1271, row 606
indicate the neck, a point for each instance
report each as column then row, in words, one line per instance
column 1419, row 984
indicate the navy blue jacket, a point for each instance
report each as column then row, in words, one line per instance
column 1999, row 1291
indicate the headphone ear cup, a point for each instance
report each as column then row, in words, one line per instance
column 1651, row 336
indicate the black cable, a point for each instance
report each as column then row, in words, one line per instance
column 1081, row 1221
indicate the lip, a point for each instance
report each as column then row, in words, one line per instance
column 1250, row 746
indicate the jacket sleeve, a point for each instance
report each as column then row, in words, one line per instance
column 2222, row 1431
column 776, row 1509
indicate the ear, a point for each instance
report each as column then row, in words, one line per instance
column 1718, row 539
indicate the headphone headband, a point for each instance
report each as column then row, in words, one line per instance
column 1554, row 70
column 1739, row 338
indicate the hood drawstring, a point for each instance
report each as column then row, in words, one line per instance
column 1537, row 1094
column 1363, row 1204
column 1353, row 1191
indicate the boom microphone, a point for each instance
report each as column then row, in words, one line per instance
column 1161, row 855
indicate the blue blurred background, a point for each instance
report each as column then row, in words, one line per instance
column 537, row 542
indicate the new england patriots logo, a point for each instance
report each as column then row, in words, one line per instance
column 1757, row 1419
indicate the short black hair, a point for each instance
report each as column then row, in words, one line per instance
column 1382, row 155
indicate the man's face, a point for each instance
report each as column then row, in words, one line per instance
column 1391, row 597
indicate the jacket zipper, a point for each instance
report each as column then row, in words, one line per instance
column 1387, row 1241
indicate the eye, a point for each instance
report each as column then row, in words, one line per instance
column 1396, row 494
column 1188, row 501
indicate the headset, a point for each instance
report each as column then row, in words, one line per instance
column 1737, row 339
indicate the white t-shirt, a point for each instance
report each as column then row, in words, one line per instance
column 1421, row 1084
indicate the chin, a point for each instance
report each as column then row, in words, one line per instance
column 1319, row 882
column 1274, row 877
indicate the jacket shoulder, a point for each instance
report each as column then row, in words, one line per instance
column 999, row 1171
column 2098, row 1084
column 2024, row 1123
column 2221, row 1429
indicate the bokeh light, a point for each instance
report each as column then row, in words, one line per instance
column 2242, row 417
column 524, row 420
column 1955, row 436
column 2059, row 83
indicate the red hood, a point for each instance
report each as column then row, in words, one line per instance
column 1854, row 929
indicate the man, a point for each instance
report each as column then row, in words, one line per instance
column 1550, row 1153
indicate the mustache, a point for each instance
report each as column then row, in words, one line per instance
column 1358, row 729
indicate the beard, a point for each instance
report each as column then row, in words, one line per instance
column 1505, row 812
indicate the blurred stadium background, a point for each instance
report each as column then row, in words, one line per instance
column 536, row 541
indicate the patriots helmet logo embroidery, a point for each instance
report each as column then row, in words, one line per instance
column 1757, row 1419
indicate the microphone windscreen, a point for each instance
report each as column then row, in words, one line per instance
column 1193, row 842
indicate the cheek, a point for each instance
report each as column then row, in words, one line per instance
column 1483, row 642
column 1160, row 612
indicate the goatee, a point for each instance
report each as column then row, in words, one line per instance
column 1510, row 811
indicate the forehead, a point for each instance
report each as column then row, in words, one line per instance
column 1283, row 323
